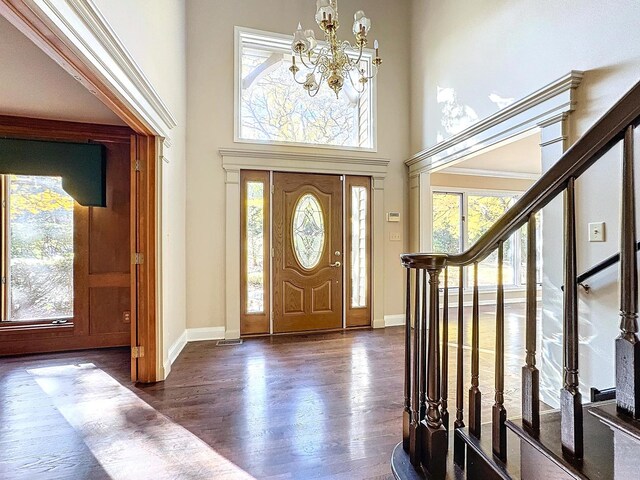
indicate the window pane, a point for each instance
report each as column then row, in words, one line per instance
column 308, row 231
column 483, row 212
column 255, row 247
column 274, row 108
column 447, row 219
column 358, row 247
column 41, row 248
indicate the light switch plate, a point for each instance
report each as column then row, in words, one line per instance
column 394, row 237
column 596, row 232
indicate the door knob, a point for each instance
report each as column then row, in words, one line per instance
column 337, row 264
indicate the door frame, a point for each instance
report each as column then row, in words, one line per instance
column 77, row 37
column 269, row 159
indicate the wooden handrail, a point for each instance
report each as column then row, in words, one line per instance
column 605, row 133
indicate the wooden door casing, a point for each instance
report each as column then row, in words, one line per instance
column 307, row 299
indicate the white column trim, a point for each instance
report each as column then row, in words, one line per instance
column 234, row 160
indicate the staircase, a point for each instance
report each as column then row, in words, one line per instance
column 592, row 441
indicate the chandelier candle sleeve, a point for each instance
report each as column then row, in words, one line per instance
column 336, row 60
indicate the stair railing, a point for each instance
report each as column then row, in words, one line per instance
column 425, row 420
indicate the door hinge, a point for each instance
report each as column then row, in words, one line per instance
column 138, row 166
column 138, row 259
column 137, row 352
column 272, row 189
column 273, row 252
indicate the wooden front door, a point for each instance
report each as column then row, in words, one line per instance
column 308, row 256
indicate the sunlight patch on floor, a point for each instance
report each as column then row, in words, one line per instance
column 127, row 436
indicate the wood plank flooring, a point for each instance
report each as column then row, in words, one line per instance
column 304, row 406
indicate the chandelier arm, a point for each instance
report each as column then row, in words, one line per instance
column 313, row 65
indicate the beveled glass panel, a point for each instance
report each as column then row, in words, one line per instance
column 358, row 247
column 255, row 247
column 308, row 231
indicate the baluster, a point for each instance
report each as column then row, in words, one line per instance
column 475, row 396
column 414, row 430
column 458, row 443
column 435, row 435
column 570, row 398
column 628, row 344
column 499, row 429
column 445, row 352
column 425, row 368
column 407, row 414
column 530, row 374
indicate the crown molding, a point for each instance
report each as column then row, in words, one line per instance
column 84, row 29
column 549, row 103
column 268, row 159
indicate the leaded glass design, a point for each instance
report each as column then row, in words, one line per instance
column 308, row 231
column 358, row 247
column 255, row 247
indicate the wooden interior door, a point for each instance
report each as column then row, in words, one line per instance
column 308, row 255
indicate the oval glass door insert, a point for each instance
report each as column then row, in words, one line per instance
column 308, row 231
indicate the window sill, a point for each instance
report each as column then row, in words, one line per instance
column 35, row 327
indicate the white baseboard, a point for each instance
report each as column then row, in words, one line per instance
column 206, row 333
column 394, row 320
column 190, row 335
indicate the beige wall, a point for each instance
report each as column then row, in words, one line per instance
column 511, row 49
column 210, row 59
column 156, row 39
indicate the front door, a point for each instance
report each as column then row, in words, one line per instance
column 308, row 257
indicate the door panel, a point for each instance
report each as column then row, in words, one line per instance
column 307, row 271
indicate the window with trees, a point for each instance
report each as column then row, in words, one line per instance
column 272, row 108
column 37, row 248
column 460, row 218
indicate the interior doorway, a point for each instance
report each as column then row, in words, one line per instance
column 306, row 252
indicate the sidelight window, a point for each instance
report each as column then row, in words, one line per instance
column 37, row 249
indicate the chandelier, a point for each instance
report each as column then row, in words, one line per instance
column 336, row 60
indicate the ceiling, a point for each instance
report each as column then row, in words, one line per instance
column 521, row 157
column 33, row 85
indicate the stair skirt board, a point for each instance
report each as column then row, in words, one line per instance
column 480, row 461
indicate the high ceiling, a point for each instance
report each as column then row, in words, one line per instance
column 33, row 85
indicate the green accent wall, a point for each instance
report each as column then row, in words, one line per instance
column 82, row 166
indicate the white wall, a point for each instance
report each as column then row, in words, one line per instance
column 154, row 33
column 510, row 49
column 210, row 57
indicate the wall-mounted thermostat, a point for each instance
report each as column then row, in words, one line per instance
column 393, row 216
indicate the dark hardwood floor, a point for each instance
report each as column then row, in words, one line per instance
column 304, row 406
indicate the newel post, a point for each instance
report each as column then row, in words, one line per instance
column 627, row 344
column 434, row 433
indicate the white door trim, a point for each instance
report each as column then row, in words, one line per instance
column 234, row 160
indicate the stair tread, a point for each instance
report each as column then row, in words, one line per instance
column 483, row 447
column 598, row 462
column 608, row 413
